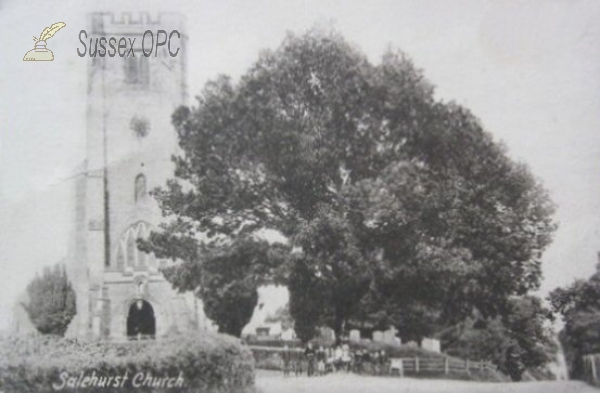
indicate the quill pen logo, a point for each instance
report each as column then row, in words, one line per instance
column 40, row 52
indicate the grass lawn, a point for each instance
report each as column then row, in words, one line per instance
column 273, row 382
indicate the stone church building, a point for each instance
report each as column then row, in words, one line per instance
column 120, row 292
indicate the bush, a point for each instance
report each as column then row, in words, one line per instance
column 51, row 305
column 203, row 363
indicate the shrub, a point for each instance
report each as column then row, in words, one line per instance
column 206, row 363
column 51, row 305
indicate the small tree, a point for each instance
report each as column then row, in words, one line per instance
column 225, row 275
column 579, row 305
column 51, row 301
column 518, row 341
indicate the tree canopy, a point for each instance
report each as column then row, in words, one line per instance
column 397, row 208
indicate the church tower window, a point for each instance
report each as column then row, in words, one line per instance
column 140, row 191
column 137, row 70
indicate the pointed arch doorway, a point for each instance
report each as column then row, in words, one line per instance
column 141, row 323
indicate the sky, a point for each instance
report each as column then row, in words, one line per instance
column 530, row 71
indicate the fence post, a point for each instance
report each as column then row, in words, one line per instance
column 467, row 365
column 417, row 364
column 446, row 368
column 593, row 361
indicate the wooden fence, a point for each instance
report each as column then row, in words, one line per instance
column 437, row 365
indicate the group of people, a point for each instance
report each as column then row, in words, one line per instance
column 314, row 361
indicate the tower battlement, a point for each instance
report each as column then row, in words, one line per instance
column 128, row 22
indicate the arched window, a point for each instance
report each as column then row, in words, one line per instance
column 128, row 254
column 140, row 188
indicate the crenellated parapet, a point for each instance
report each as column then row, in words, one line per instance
column 134, row 23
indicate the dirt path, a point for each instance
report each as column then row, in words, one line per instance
column 273, row 382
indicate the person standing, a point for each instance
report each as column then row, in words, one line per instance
column 286, row 358
column 298, row 360
column 321, row 358
column 375, row 363
column 383, row 362
column 309, row 354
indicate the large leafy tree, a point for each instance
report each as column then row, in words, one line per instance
column 51, row 305
column 396, row 207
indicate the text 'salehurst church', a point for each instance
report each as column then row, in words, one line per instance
column 120, row 292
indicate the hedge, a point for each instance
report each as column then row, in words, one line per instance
column 207, row 362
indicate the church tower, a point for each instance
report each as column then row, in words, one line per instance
column 130, row 141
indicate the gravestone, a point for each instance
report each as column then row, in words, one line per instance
column 288, row 334
column 354, row 335
column 412, row 344
column 431, row 344
column 389, row 336
column 377, row 336
column 327, row 333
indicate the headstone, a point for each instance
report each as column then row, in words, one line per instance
column 377, row 336
column 431, row 344
column 327, row 333
column 412, row 344
column 354, row 335
column 288, row 334
column 389, row 336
